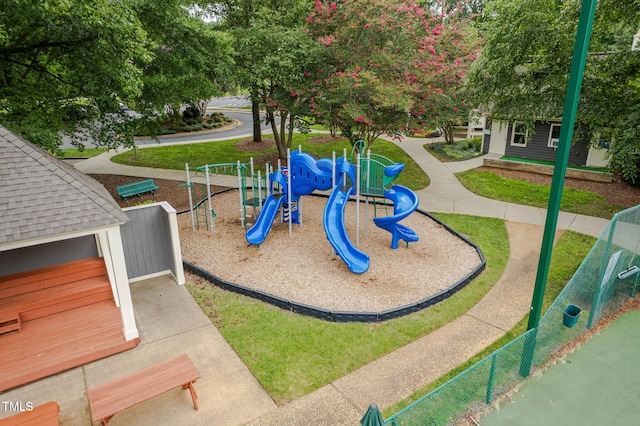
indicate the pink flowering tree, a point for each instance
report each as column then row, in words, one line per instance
column 387, row 67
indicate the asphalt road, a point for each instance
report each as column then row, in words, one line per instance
column 244, row 129
column 228, row 105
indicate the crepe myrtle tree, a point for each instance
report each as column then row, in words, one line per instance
column 388, row 67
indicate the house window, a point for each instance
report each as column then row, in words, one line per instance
column 519, row 135
column 604, row 139
column 554, row 136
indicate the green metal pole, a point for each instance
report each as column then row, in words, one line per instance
column 492, row 377
column 562, row 158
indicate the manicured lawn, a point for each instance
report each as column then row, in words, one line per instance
column 497, row 187
column 292, row 355
column 198, row 154
column 568, row 254
column 85, row 153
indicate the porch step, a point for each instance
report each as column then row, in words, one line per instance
column 9, row 322
column 46, row 291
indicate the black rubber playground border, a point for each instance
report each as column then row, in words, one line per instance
column 344, row 316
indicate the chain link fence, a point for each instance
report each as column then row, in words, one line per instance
column 604, row 281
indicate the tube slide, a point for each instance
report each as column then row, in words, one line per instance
column 405, row 202
column 258, row 232
column 356, row 260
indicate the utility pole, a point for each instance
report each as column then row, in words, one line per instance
column 562, row 158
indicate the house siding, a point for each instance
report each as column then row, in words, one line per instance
column 486, row 137
column 537, row 149
column 146, row 242
column 48, row 254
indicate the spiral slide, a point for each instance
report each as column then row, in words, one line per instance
column 356, row 260
column 405, row 202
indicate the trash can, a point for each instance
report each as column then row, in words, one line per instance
column 571, row 315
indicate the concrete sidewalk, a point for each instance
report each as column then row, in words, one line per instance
column 170, row 323
column 445, row 194
column 397, row 375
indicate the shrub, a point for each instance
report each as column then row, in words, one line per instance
column 191, row 112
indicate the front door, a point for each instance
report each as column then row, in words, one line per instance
column 498, row 144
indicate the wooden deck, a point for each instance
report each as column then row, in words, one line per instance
column 56, row 318
column 61, row 341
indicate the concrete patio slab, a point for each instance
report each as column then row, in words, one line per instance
column 170, row 323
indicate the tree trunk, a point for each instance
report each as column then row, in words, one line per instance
column 255, row 112
column 333, row 129
column 278, row 134
column 447, row 132
column 201, row 104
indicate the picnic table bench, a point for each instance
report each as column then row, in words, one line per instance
column 42, row 415
column 136, row 188
column 110, row 398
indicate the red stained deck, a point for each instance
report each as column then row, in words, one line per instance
column 58, row 342
column 67, row 318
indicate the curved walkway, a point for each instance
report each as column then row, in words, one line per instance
column 397, row 375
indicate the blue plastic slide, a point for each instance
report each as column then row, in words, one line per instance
column 405, row 202
column 356, row 261
column 258, row 232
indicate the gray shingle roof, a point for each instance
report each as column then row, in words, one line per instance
column 41, row 196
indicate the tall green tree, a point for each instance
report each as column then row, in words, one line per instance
column 285, row 54
column 63, row 62
column 70, row 65
column 249, row 22
column 192, row 59
column 522, row 71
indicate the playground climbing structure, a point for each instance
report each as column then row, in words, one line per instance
column 304, row 174
column 252, row 186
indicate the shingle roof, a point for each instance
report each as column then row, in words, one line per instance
column 41, row 196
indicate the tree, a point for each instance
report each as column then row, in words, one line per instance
column 191, row 59
column 522, row 70
column 248, row 22
column 71, row 65
column 286, row 53
column 390, row 67
column 66, row 62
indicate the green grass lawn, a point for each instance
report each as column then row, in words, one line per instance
column 292, row 355
column 85, row 153
column 497, row 187
column 198, row 154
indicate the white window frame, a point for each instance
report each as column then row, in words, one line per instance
column 513, row 136
column 553, row 142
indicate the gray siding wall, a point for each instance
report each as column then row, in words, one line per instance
column 146, row 241
column 486, row 138
column 49, row 254
column 537, row 148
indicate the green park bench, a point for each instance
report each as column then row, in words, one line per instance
column 136, row 188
